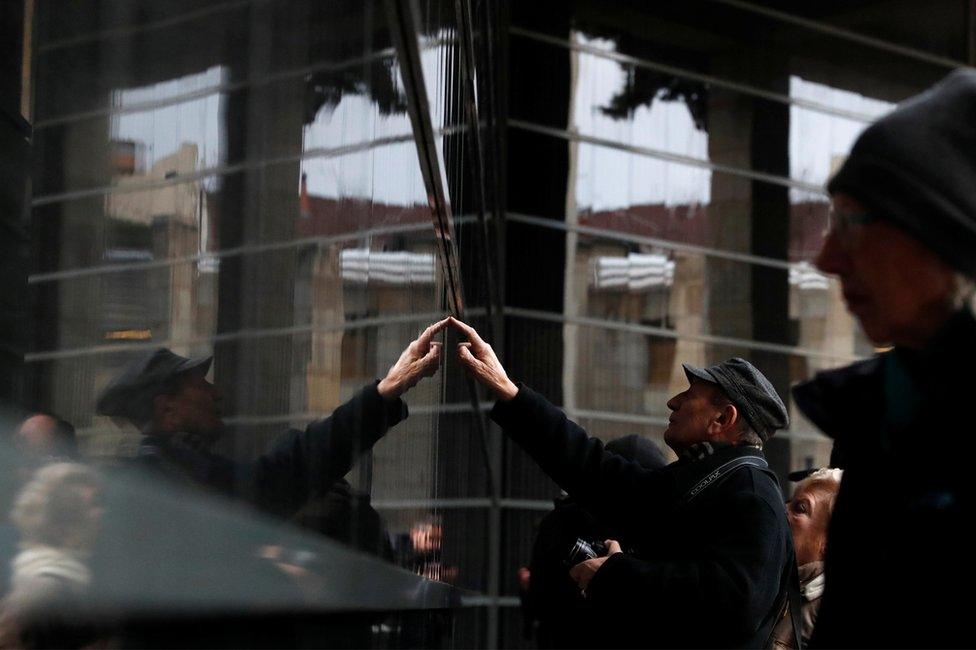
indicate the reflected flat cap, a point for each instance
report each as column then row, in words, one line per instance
column 749, row 390
column 130, row 394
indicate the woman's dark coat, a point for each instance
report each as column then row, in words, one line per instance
column 900, row 549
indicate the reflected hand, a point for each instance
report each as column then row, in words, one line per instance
column 583, row 572
column 479, row 361
column 421, row 359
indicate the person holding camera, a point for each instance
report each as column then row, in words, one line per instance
column 712, row 562
column 554, row 611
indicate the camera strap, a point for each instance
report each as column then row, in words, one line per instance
column 719, row 474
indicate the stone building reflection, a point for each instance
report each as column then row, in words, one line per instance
column 646, row 265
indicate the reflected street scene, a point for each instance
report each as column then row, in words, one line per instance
column 287, row 281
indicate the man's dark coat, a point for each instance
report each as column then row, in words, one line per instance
column 152, row 544
column 899, row 563
column 708, row 574
column 298, row 466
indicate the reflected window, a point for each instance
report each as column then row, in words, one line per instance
column 611, row 178
column 180, row 123
column 819, row 140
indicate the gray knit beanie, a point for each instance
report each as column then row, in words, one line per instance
column 916, row 167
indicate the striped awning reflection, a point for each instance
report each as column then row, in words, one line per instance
column 361, row 265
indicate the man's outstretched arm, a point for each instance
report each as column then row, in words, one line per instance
column 303, row 463
column 577, row 462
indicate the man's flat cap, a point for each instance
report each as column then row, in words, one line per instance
column 130, row 394
column 749, row 390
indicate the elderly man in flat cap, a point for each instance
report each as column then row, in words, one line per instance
column 903, row 244
column 169, row 398
column 712, row 555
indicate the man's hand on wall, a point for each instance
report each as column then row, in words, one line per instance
column 479, row 361
column 583, row 572
column 421, row 359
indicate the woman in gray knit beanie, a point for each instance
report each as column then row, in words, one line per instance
column 903, row 245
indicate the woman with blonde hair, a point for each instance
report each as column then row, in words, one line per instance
column 809, row 514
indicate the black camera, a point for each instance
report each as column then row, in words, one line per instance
column 583, row 550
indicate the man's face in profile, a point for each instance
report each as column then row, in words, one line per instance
column 692, row 411
column 195, row 407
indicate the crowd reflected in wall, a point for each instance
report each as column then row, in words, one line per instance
column 227, row 420
column 232, row 244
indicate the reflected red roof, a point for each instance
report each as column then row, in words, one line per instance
column 691, row 224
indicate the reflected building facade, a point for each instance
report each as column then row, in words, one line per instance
column 607, row 190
